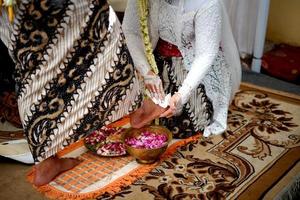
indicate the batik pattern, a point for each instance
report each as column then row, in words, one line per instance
column 74, row 73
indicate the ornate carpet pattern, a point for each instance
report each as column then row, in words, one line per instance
column 252, row 160
column 255, row 158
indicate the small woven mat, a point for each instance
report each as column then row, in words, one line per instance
column 98, row 175
column 93, row 170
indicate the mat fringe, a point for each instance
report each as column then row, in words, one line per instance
column 114, row 187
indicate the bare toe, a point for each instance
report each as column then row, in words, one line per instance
column 48, row 169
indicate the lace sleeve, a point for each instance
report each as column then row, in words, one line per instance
column 208, row 36
column 131, row 29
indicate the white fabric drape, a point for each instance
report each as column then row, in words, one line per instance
column 243, row 17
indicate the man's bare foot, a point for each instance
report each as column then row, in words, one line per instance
column 145, row 114
column 48, row 169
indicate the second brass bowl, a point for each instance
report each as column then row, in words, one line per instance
column 146, row 156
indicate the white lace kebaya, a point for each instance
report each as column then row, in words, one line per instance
column 201, row 31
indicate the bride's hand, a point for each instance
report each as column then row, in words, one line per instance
column 154, row 84
column 175, row 106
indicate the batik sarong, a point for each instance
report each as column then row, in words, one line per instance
column 74, row 73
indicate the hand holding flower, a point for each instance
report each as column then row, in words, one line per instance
column 175, row 106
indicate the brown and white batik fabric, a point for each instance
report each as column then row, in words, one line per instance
column 73, row 71
column 197, row 112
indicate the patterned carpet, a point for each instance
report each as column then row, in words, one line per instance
column 256, row 158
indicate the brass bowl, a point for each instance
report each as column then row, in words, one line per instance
column 146, row 156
